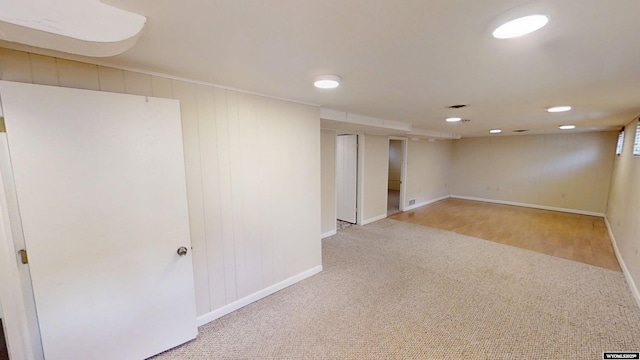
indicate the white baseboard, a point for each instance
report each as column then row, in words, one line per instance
column 206, row 318
column 373, row 219
column 328, row 233
column 415, row 206
column 543, row 207
column 625, row 270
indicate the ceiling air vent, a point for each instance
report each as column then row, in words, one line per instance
column 520, row 130
column 456, row 106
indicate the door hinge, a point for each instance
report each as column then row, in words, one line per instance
column 23, row 256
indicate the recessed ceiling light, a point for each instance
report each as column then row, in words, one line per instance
column 453, row 119
column 562, row 108
column 327, row 81
column 567, row 127
column 520, row 26
column 495, row 131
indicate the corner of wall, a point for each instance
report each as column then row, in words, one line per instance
column 627, row 275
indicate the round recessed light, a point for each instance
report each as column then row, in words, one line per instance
column 453, row 119
column 327, row 81
column 566, row 127
column 495, row 131
column 562, row 108
column 520, row 26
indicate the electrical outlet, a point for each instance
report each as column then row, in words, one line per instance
column 412, row 202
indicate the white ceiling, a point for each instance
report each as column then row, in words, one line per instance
column 406, row 60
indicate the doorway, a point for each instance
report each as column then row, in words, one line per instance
column 395, row 179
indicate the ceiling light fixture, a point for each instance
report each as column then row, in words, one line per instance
column 566, row 127
column 327, row 81
column 453, row 119
column 555, row 109
column 520, row 26
column 495, row 131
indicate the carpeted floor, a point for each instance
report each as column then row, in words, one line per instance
column 394, row 290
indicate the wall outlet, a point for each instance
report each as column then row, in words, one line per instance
column 412, row 202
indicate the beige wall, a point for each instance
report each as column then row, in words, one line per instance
column 623, row 211
column 374, row 175
column 252, row 169
column 566, row 171
column 328, row 181
column 395, row 163
column 428, row 171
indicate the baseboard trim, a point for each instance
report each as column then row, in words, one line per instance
column 415, row 206
column 542, row 207
column 627, row 275
column 328, row 233
column 373, row 219
column 207, row 318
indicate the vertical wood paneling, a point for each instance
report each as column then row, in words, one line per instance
column 211, row 194
column 569, row 171
column 248, row 261
column 376, row 168
column 137, row 84
column 267, row 167
column 78, row 75
column 161, row 87
column 111, row 79
column 15, row 66
column 428, row 170
column 252, row 168
column 226, row 199
column 328, row 174
column 186, row 93
column 44, row 70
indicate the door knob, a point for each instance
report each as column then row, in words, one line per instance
column 182, row 251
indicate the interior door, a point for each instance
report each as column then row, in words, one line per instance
column 101, row 189
column 347, row 177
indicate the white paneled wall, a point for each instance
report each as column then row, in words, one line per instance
column 428, row 171
column 328, row 173
column 375, row 171
column 562, row 171
column 252, row 169
column 623, row 209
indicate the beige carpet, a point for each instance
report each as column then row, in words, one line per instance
column 394, row 290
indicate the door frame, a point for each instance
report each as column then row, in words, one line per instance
column 12, row 298
column 403, row 169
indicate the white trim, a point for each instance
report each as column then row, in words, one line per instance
column 415, row 206
column 627, row 275
column 328, row 233
column 209, row 317
column 374, row 219
column 358, row 119
column 534, row 206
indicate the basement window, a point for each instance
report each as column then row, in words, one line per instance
column 620, row 142
column 636, row 142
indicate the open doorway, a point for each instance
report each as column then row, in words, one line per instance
column 395, row 183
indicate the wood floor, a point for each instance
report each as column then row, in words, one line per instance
column 575, row 237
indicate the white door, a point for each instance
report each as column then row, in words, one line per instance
column 347, row 177
column 101, row 189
